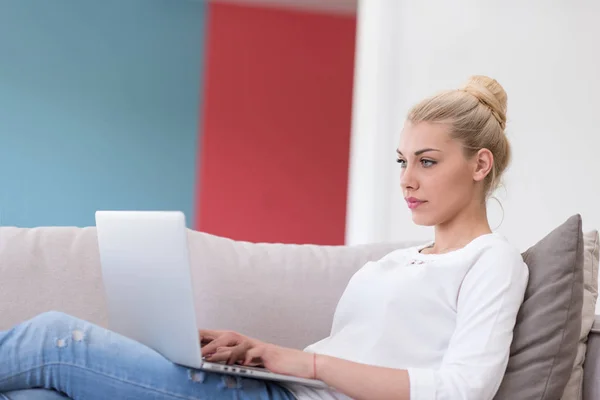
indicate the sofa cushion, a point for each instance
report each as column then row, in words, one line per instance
column 548, row 325
column 574, row 388
column 53, row 268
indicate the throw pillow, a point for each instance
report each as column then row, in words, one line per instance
column 574, row 388
column 548, row 325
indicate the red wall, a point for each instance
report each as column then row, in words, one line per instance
column 275, row 135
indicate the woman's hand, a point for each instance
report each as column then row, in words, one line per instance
column 228, row 346
column 282, row 360
column 232, row 347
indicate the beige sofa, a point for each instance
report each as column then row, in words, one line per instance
column 284, row 294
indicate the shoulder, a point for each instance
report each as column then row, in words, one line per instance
column 500, row 245
column 495, row 258
column 497, row 247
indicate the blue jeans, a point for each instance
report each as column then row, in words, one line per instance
column 84, row 361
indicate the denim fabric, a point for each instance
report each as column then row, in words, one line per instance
column 84, row 361
column 33, row 394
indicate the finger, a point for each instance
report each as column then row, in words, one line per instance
column 219, row 356
column 254, row 356
column 238, row 352
column 222, row 341
column 212, row 347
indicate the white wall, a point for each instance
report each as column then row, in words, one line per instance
column 546, row 54
column 374, row 123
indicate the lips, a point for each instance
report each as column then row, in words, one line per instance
column 414, row 202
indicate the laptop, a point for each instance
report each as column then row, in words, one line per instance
column 147, row 278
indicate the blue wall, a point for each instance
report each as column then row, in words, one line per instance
column 99, row 104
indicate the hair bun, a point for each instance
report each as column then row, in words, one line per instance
column 490, row 93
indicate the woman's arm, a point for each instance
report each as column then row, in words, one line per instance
column 360, row 381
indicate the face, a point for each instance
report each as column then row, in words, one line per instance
column 438, row 181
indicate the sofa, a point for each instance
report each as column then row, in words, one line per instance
column 286, row 294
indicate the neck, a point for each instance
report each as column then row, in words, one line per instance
column 461, row 230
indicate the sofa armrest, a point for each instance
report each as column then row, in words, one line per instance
column 591, row 366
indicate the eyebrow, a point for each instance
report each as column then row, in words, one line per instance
column 419, row 152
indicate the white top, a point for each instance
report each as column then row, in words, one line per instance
column 446, row 318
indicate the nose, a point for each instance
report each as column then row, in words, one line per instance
column 408, row 179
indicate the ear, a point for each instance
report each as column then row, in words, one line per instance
column 484, row 162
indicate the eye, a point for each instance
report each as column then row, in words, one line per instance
column 427, row 163
column 401, row 162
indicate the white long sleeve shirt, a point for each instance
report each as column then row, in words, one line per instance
column 447, row 319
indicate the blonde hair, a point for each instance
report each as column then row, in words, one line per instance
column 476, row 114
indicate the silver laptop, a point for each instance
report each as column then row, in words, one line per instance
column 147, row 279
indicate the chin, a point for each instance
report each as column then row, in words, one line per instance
column 425, row 219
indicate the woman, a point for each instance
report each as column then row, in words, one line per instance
column 428, row 322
